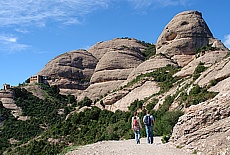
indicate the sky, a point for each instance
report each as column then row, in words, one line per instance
column 33, row 32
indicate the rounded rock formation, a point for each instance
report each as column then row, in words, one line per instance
column 186, row 32
column 71, row 70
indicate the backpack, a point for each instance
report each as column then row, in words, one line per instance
column 147, row 120
column 135, row 123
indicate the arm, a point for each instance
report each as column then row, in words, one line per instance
column 143, row 119
column 132, row 123
column 139, row 123
column 152, row 119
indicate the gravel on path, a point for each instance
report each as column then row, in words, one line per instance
column 128, row 147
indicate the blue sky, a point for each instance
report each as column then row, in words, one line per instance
column 32, row 32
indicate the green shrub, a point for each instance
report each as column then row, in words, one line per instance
column 213, row 82
column 149, row 51
column 199, row 69
column 206, row 48
column 198, row 95
column 85, row 102
column 165, row 122
column 164, row 76
column 152, row 104
column 137, row 104
column 165, row 138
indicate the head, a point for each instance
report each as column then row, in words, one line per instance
column 135, row 113
column 147, row 112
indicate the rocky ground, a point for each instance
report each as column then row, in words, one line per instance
column 128, row 147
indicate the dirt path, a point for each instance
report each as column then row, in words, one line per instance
column 128, row 147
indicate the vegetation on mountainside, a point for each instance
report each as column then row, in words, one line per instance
column 206, row 48
column 150, row 48
column 43, row 114
column 149, row 51
column 199, row 69
column 46, row 122
column 196, row 96
column 164, row 77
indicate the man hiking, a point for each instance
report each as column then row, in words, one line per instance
column 148, row 121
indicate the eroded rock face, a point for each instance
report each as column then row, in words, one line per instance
column 209, row 58
column 157, row 61
column 220, row 73
column 7, row 100
column 71, row 70
column 96, row 90
column 186, row 32
column 117, row 59
column 98, row 50
column 139, row 93
column 117, row 64
column 205, row 128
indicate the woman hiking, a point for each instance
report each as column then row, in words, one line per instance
column 136, row 126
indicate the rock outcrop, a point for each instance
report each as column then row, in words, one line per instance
column 205, row 128
column 139, row 93
column 185, row 33
column 98, row 50
column 208, row 58
column 117, row 59
column 7, row 100
column 218, row 73
column 71, row 70
column 154, row 62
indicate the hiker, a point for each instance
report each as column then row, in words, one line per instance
column 136, row 126
column 148, row 121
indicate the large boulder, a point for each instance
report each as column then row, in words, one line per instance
column 185, row 33
column 71, row 70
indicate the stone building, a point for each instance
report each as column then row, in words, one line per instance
column 38, row 79
column 6, row 86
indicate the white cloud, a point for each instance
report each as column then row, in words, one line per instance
column 172, row 2
column 227, row 41
column 38, row 12
column 141, row 4
column 144, row 4
column 9, row 44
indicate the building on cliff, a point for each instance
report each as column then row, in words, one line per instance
column 38, row 79
column 6, row 86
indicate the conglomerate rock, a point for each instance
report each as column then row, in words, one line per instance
column 71, row 70
column 185, row 33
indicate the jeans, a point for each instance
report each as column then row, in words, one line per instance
column 149, row 134
column 137, row 136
